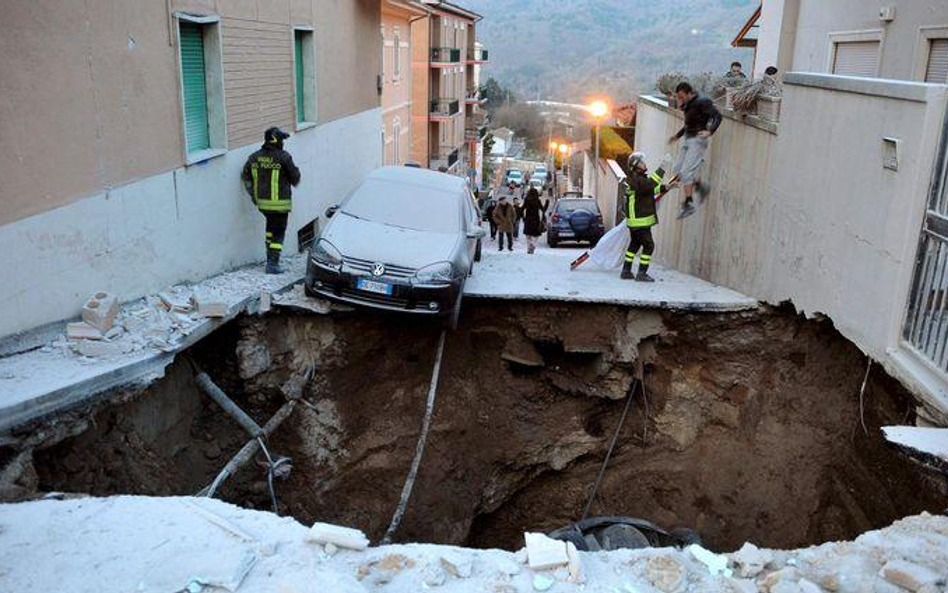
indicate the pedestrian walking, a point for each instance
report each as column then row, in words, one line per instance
column 268, row 176
column 489, row 214
column 642, row 191
column 518, row 217
column 534, row 212
column 504, row 217
column 701, row 121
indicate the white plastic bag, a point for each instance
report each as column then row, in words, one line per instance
column 609, row 253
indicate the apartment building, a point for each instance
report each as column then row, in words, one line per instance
column 126, row 126
column 397, row 16
column 447, row 123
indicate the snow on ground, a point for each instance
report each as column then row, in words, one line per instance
column 143, row 544
column 39, row 380
column 545, row 275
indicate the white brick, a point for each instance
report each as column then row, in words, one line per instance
column 544, row 552
column 81, row 330
column 908, row 574
column 343, row 537
column 209, row 306
column 100, row 311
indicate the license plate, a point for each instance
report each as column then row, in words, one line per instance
column 373, row 286
column 566, row 233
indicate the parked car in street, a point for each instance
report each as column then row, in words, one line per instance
column 537, row 183
column 575, row 219
column 404, row 240
column 514, row 177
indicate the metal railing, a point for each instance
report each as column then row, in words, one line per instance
column 926, row 322
column 445, row 55
column 444, row 155
column 444, row 107
column 473, row 94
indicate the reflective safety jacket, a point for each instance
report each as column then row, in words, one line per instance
column 268, row 175
column 641, row 191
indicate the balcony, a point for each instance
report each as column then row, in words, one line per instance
column 445, row 56
column 475, row 127
column 444, row 156
column 473, row 96
column 444, row 108
column 477, row 56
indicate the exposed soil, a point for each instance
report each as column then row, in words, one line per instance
column 752, row 430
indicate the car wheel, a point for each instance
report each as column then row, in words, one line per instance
column 455, row 316
column 309, row 291
column 477, row 251
column 552, row 242
column 593, row 242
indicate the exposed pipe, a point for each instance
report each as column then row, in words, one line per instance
column 612, row 445
column 247, row 452
column 233, row 410
column 419, row 448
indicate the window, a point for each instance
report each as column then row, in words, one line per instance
column 855, row 53
column 202, row 87
column 304, row 77
column 936, row 69
column 396, row 140
column 396, row 58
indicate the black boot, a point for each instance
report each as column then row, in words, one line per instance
column 626, row 271
column 273, row 262
column 643, row 276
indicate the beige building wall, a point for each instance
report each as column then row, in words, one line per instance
column 99, row 104
column 397, row 82
column 807, row 211
column 798, row 35
column 420, row 90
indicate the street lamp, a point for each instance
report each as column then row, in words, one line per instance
column 599, row 110
column 564, row 152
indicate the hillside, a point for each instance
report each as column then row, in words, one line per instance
column 568, row 50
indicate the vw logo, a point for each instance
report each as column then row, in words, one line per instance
column 378, row 270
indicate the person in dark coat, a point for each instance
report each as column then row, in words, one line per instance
column 534, row 212
column 489, row 215
column 504, row 216
column 518, row 210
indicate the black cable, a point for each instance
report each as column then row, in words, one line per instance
column 605, row 462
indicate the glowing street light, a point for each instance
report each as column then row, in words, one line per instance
column 564, row 148
column 599, row 110
column 554, row 146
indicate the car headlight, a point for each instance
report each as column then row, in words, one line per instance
column 326, row 254
column 438, row 273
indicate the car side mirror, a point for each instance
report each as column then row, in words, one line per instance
column 331, row 211
column 476, row 233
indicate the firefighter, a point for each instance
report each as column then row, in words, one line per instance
column 642, row 191
column 267, row 176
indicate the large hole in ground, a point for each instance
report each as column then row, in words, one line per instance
column 752, row 431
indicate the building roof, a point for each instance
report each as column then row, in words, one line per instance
column 452, row 8
column 742, row 39
column 410, row 6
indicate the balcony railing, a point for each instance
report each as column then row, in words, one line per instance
column 445, row 55
column 478, row 55
column 444, row 107
column 473, row 95
column 444, row 156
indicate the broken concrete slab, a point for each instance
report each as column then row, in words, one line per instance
column 342, row 537
column 174, row 301
column 928, row 444
column 265, row 302
column 80, row 330
column 750, row 560
column 911, row 576
column 207, row 305
column 100, row 310
column 544, row 552
column 522, row 351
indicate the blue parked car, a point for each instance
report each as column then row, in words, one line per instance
column 575, row 219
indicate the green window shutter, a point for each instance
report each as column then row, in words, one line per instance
column 300, row 103
column 195, row 88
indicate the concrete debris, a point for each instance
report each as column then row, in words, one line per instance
column 100, row 310
column 716, row 563
column 101, row 348
column 343, row 537
column 911, row 576
column 265, row 302
column 575, row 565
column 665, row 573
column 457, row 565
column 544, row 552
column 520, row 350
column 174, row 300
column 81, row 330
column 543, row 582
column 750, row 560
column 743, row 586
column 330, row 549
column 208, row 305
column 433, row 575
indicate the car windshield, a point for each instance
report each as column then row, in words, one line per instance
column 514, row 174
column 568, row 206
column 405, row 205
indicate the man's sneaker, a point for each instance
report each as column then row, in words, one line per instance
column 702, row 189
column 643, row 277
column 686, row 211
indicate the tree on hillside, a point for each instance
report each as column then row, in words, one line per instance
column 496, row 95
column 525, row 121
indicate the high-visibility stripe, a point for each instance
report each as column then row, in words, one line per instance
column 253, row 173
column 275, row 184
column 629, row 256
column 269, row 234
column 276, row 246
column 646, row 258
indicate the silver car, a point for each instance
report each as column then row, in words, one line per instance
column 405, row 239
